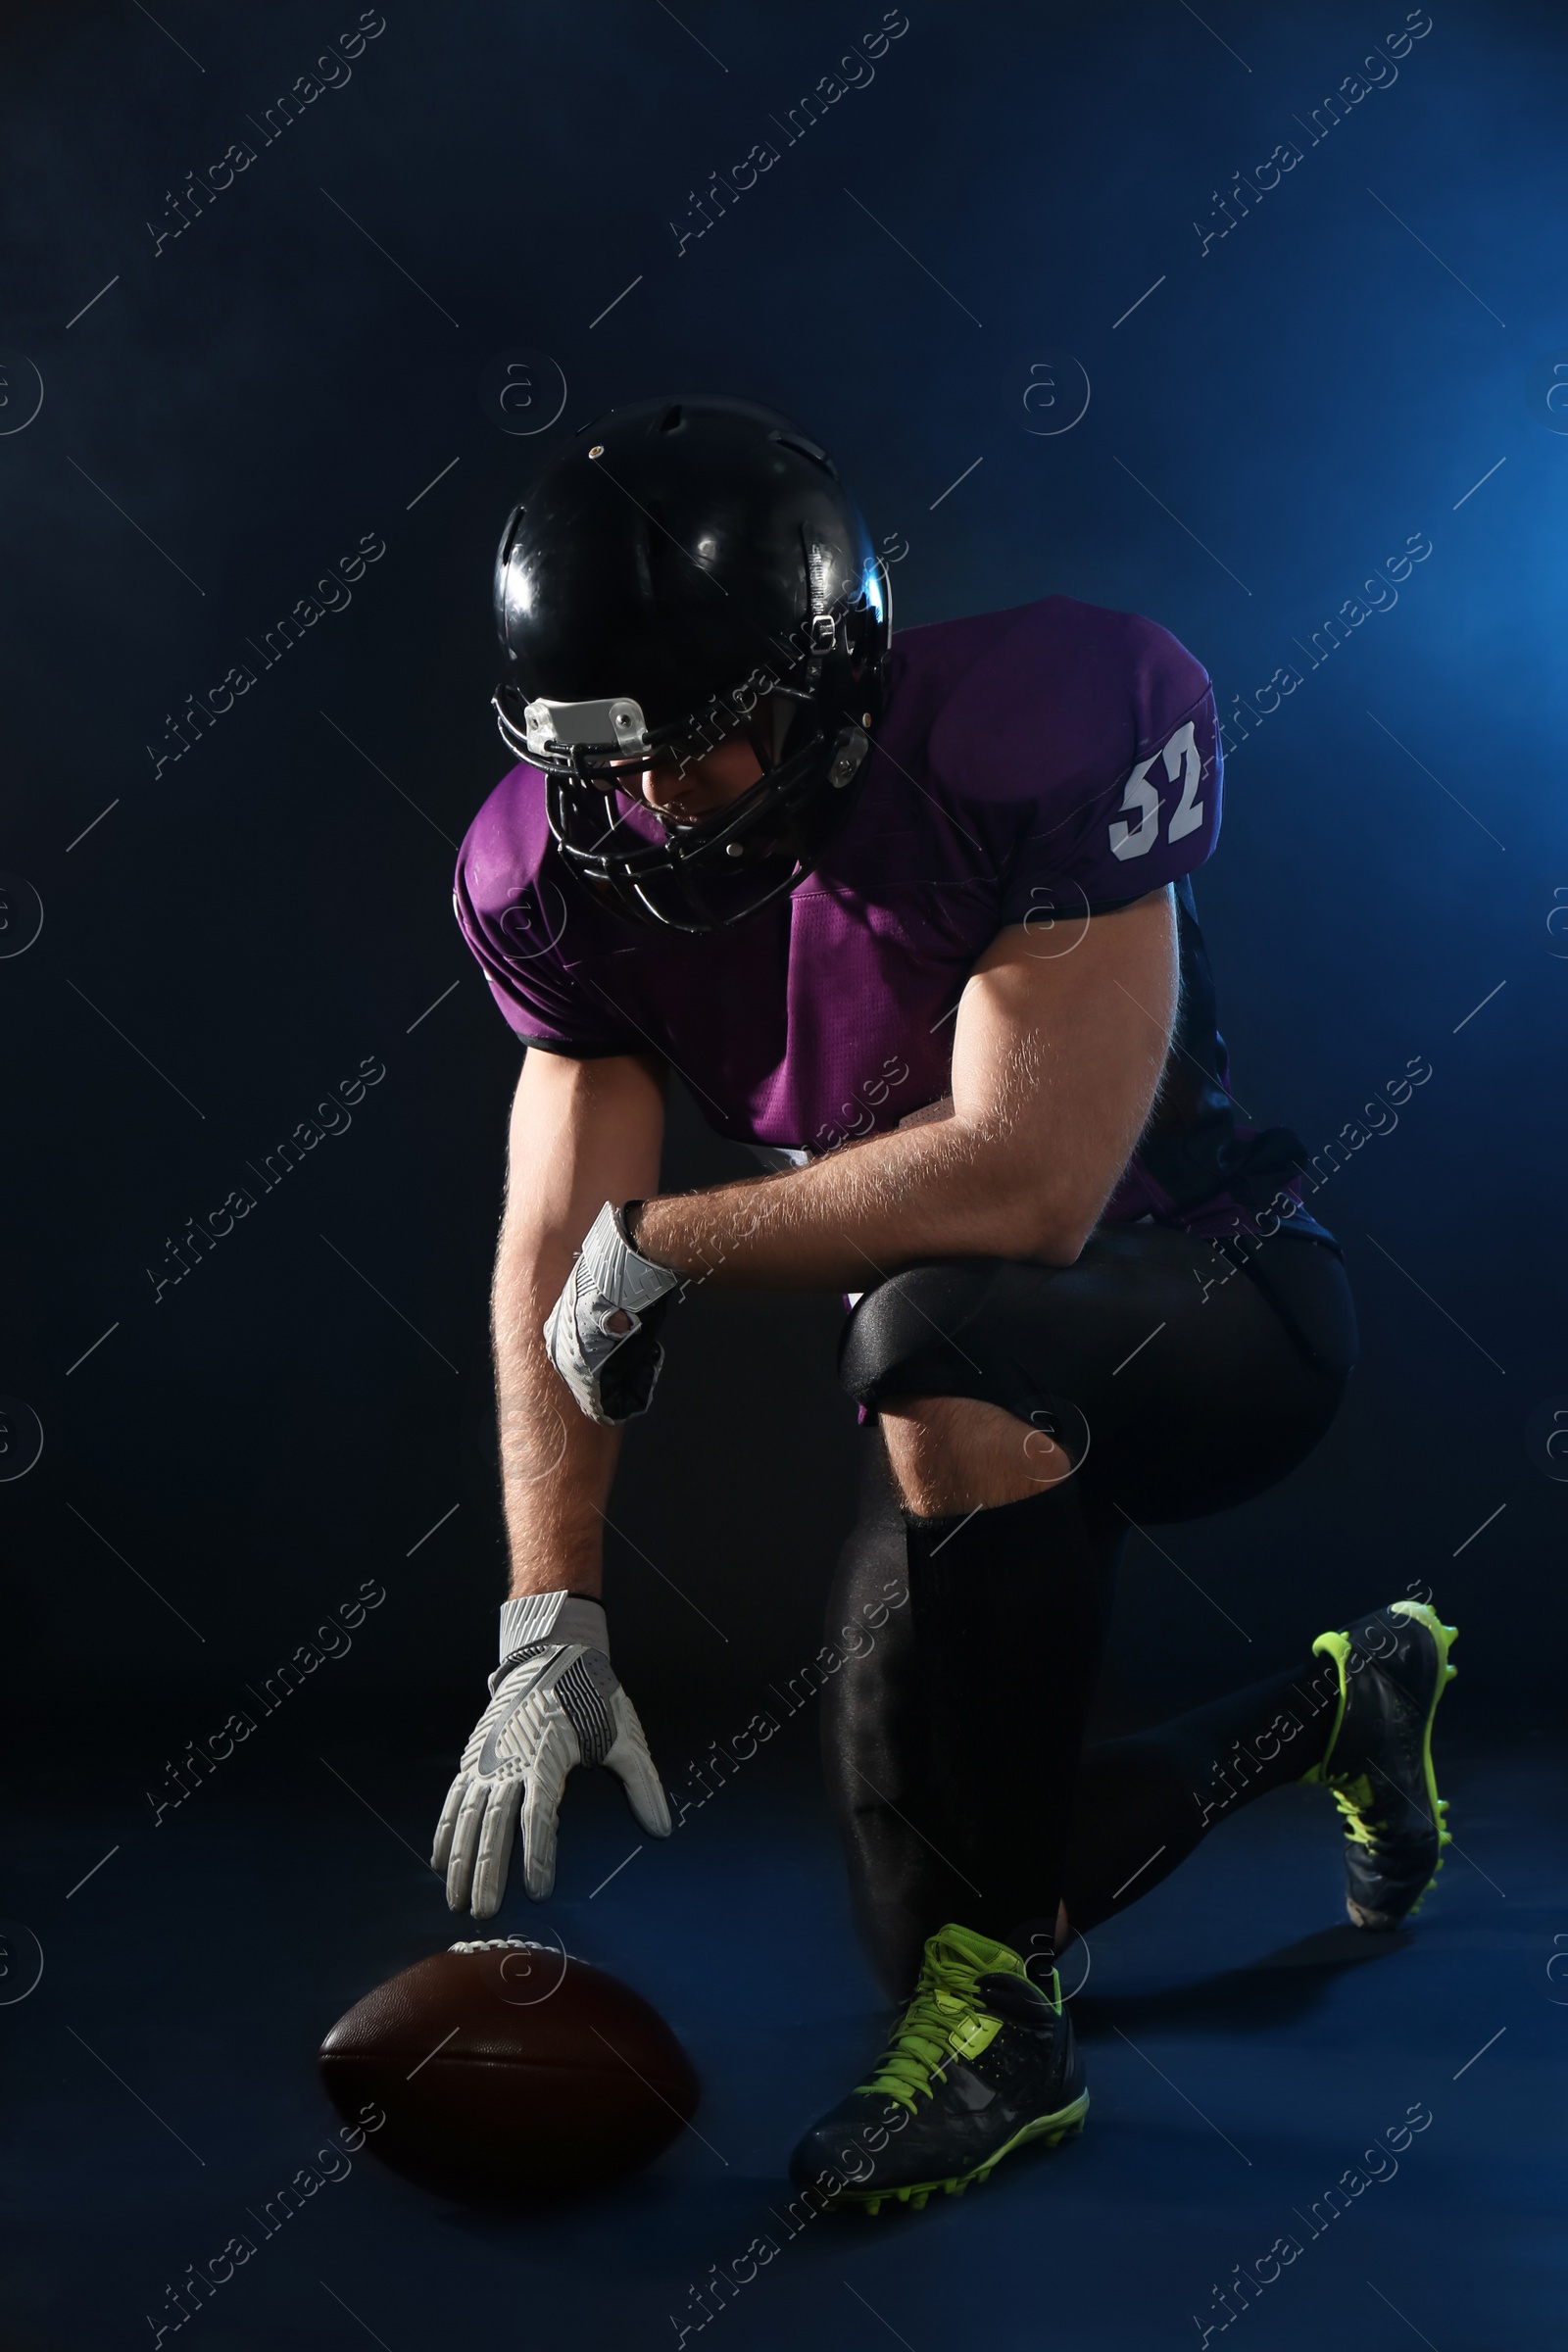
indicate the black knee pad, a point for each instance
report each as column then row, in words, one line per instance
column 901, row 1338
column 930, row 1331
column 975, row 1327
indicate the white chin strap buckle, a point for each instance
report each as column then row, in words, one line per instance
column 615, row 725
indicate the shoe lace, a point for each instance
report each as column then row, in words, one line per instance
column 1354, row 1800
column 1370, row 1823
column 937, row 2026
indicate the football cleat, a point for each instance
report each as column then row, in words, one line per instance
column 982, row 2061
column 1394, row 1668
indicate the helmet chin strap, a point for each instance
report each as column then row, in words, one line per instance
column 764, row 746
column 782, row 710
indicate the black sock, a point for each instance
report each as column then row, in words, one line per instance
column 1008, row 1610
column 1141, row 1804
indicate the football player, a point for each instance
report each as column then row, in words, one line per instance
column 914, row 919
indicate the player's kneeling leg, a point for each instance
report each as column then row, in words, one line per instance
column 1008, row 1595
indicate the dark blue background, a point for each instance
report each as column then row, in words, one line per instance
column 1275, row 419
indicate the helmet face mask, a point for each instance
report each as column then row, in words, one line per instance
column 715, row 868
column 702, row 557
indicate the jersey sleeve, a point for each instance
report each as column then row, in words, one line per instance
column 1109, row 763
column 1156, row 820
column 516, row 918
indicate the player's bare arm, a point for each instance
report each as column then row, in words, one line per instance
column 556, row 1701
column 581, row 1132
column 1056, row 1063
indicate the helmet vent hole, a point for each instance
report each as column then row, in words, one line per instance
column 672, row 420
column 806, row 449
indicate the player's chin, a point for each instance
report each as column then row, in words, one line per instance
column 679, row 806
column 686, row 819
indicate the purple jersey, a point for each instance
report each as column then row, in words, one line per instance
column 1029, row 765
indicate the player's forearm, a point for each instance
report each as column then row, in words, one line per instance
column 580, row 1131
column 953, row 1187
column 556, row 1466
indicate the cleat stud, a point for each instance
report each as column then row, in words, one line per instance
column 918, row 2201
column 874, row 2204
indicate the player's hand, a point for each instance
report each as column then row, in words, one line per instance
column 601, row 1335
column 555, row 1703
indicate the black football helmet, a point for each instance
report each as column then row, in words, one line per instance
column 683, row 572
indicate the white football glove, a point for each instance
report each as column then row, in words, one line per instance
column 555, row 1703
column 599, row 1335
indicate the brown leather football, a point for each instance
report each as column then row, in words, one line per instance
column 510, row 2068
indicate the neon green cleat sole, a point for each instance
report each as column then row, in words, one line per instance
column 1443, row 1636
column 1048, row 2130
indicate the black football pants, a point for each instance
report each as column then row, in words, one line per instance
column 1182, row 1376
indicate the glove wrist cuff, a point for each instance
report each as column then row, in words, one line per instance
column 625, row 1275
column 562, row 1616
